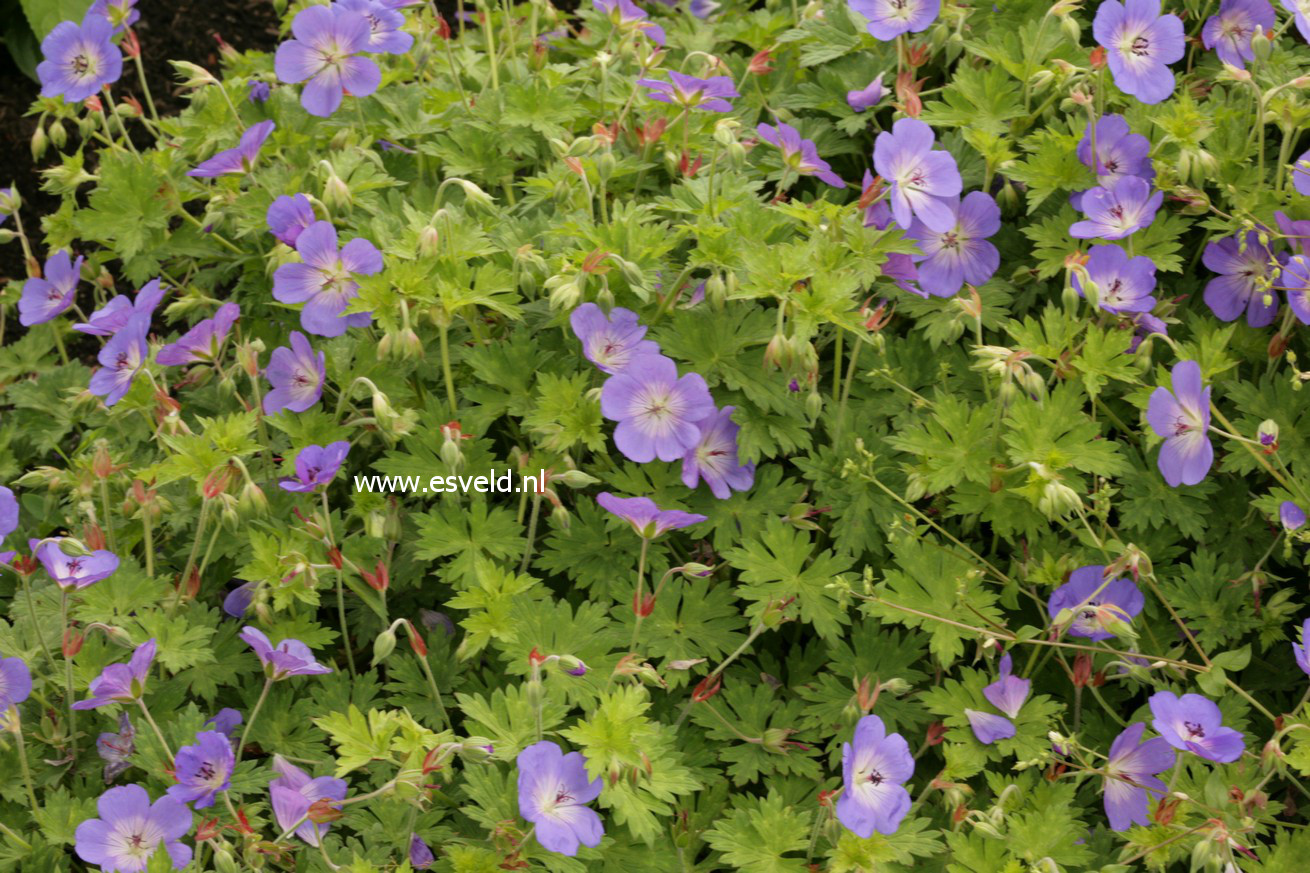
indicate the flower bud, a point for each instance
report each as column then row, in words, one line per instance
column 40, row 142
column 72, row 641
column 336, row 194
column 693, row 570
column 565, row 296
column 383, row 646
column 559, row 516
column 1261, row 46
column 429, row 242
column 1268, row 434
column 10, row 201
column 193, row 75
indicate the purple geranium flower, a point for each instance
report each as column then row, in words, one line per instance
column 889, row 19
column 1182, row 418
column 202, row 343
column 1140, row 44
column 73, row 571
column 117, row 749
column 293, row 791
column 553, row 794
column 79, row 59
column 1291, row 516
column 899, row 267
column 714, row 458
column 121, row 683
column 1193, row 723
column 1096, row 603
column 316, row 465
column 296, row 375
column 420, row 853
column 989, row 727
column 867, row 97
column 226, row 721
column 203, row 769
column 923, row 182
column 114, row 315
column 703, row 9
column 130, row 830
column 647, row 519
column 384, row 23
column 1145, row 324
column 610, row 341
column 257, row 91
column 1008, row 692
column 121, row 14
column 1301, row 650
column 801, row 156
column 240, row 159
column 1301, row 169
column 1229, row 32
column 46, row 298
column 1301, row 15
column 875, row 766
column 325, row 51
column 1118, row 211
column 1294, row 278
column 656, row 410
column 961, row 253
column 121, row 359
column 690, row 92
column 289, row 658
column 1123, row 284
column 1119, row 153
column 1244, row 266
column 8, row 512
column 15, row 682
column 289, row 215
column 238, row 599
column 1130, row 774
column 323, row 281
column 627, row 15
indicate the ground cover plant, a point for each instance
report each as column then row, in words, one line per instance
column 911, row 393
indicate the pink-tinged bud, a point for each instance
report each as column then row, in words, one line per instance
column 225, row 49
column 72, row 642
column 1097, row 58
column 135, row 104
column 416, row 640
column 576, row 167
column 322, row 811
column 443, row 27
column 193, row 584
column 1164, row 812
column 536, row 658
column 209, row 828
column 645, row 607
column 93, row 103
column 707, row 688
column 866, row 694
column 93, row 536
column 334, row 557
column 759, row 63
column 102, row 465
column 379, row 579
column 216, row 482
column 936, row 733
column 651, row 131
column 1082, row 670
column 25, row 565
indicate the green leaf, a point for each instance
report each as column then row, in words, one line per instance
column 43, row 15
column 779, row 566
column 760, row 834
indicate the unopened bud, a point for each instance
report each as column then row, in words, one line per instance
column 1261, row 46
column 383, row 646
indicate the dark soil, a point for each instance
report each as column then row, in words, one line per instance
column 185, row 30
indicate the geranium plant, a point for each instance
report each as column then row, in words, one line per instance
column 899, row 403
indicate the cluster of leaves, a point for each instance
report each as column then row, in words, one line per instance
column 928, row 471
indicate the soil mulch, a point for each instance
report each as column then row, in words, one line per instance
column 168, row 30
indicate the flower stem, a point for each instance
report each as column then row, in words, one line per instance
column 22, row 760
column 637, row 605
column 532, row 533
column 36, row 625
column 445, row 371
column 754, row 634
column 254, row 713
column 159, row 735
column 341, row 593
column 13, row 835
column 191, row 559
column 148, row 542
column 145, row 88
column 109, row 524
column 68, row 672
column 436, row 692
